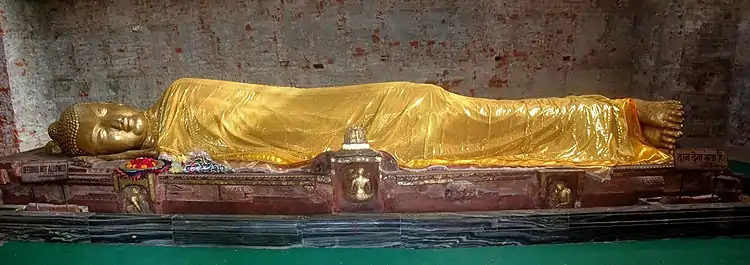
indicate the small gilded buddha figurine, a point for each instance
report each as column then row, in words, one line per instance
column 559, row 195
column 419, row 124
column 361, row 189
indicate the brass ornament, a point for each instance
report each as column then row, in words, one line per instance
column 147, row 182
column 355, row 139
column 355, row 135
column 360, row 188
column 559, row 195
column 134, row 200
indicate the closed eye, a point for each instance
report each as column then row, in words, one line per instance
column 101, row 134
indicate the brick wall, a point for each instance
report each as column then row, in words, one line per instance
column 129, row 51
column 685, row 50
column 738, row 126
column 9, row 139
column 31, row 96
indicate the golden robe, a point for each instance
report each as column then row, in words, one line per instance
column 420, row 124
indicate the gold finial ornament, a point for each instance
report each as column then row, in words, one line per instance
column 355, row 138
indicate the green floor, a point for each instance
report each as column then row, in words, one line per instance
column 682, row 252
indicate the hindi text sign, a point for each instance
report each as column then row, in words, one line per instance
column 700, row 159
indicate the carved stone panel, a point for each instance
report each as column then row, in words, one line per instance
column 459, row 191
column 180, row 192
column 559, row 188
column 4, row 177
column 90, row 193
column 355, row 180
column 248, row 193
column 135, row 199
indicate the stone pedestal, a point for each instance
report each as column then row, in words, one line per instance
column 355, row 176
column 559, row 188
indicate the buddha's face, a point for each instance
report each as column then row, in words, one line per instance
column 109, row 128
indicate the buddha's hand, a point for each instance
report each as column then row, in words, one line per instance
column 132, row 154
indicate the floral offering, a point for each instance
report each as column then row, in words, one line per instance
column 136, row 168
column 141, row 163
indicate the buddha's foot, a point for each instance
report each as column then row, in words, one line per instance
column 667, row 115
column 661, row 138
column 661, row 122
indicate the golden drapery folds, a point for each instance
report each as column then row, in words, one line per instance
column 420, row 124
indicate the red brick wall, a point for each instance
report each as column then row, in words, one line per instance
column 511, row 49
column 129, row 51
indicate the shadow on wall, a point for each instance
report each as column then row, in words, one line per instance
column 706, row 71
column 710, row 69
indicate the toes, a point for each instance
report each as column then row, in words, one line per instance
column 675, row 106
column 666, row 146
column 673, row 126
column 674, row 119
column 672, row 134
column 677, row 120
column 668, row 140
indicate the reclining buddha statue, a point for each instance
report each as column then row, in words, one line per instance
column 421, row 125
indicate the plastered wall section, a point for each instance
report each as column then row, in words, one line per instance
column 685, row 50
column 738, row 129
column 129, row 51
column 8, row 141
column 28, row 77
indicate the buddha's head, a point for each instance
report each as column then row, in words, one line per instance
column 100, row 128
